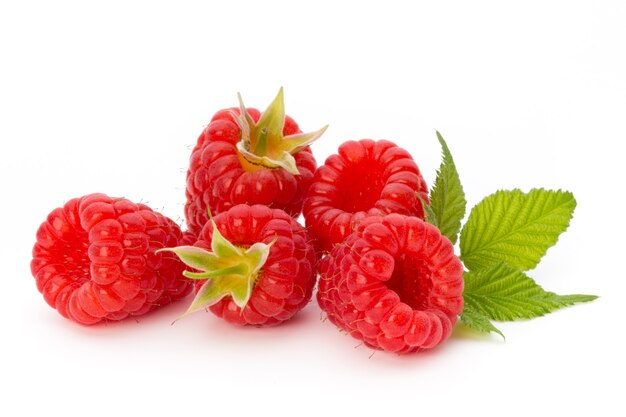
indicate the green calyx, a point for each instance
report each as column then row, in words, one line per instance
column 263, row 144
column 227, row 269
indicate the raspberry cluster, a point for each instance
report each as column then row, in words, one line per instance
column 386, row 276
column 217, row 179
column 96, row 259
column 395, row 283
column 285, row 283
column 366, row 177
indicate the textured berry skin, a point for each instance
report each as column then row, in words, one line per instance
column 94, row 260
column 365, row 178
column 395, row 283
column 285, row 283
column 217, row 180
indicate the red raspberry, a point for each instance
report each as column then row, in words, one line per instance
column 396, row 284
column 259, row 270
column 365, row 178
column 95, row 259
column 251, row 159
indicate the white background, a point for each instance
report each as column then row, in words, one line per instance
column 110, row 98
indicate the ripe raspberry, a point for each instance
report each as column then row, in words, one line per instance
column 95, row 259
column 367, row 177
column 245, row 157
column 260, row 270
column 395, row 283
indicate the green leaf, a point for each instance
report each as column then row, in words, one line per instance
column 503, row 293
column 475, row 320
column 515, row 227
column 429, row 214
column 447, row 198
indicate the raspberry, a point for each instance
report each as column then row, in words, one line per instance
column 95, row 259
column 244, row 156
column 257, row 267
column 396, row 284
column 366, row 178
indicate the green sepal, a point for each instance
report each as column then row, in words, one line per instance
column 238, row 269
column 221, row 247
column 263, row 144
column 196, row 257
column 213, row 290
column 270, row 126
column 228, row 270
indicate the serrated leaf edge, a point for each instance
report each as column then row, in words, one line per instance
column 443, row 201
column 480, row 222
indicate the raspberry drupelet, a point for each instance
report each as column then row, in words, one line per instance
column 95, row 259
column 366, row 177
column 395, row 283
